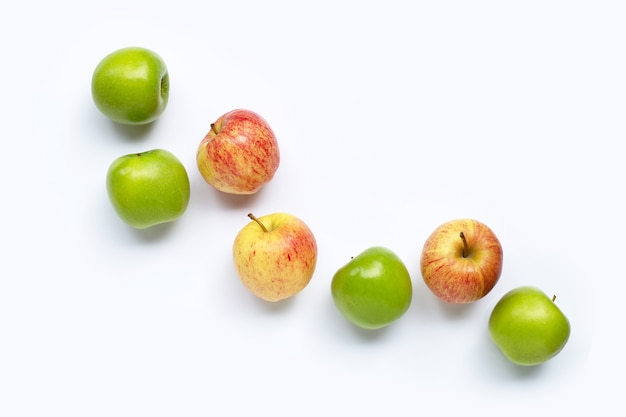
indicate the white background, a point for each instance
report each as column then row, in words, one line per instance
column 392, row 118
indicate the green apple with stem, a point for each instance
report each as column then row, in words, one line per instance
column 131, row 86
column 373, row 289
column 148, row 188
column 275, row 255
column 528, row 326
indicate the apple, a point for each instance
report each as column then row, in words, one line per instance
column 373, row 289
column 239, row 154
column 148, row 188
column 528, row 327
column 461, row 261
column 275, row 256
column 131, row 86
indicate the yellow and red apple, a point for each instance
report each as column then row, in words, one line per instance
column 239, row 154
column 461, row 261
column 275, row 255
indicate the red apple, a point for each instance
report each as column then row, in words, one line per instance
column 461, row 261
column 275, row 256
column 239, row 154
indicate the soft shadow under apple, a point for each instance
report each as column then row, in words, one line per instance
column 153, row 233
column 455, row 311
column 495, row 367
column 132, row 132
column 277, row 307
column 235, row 201
column 427, row 304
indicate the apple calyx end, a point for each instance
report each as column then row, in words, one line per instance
column 464, row 253
column 253, row 217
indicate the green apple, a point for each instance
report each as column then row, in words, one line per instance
column 131, row 86
column 148, row 188
column 373, row 289
column 528, row 327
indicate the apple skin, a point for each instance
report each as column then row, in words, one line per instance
column 457, row 273
column 528, row 327
column 277, row 262
column 239, row 154
column 373, row 289
column 131, row 86
column 148, row 188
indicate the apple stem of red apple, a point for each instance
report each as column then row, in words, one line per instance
column 462, row 235
column 215, row 131
column 253, row 217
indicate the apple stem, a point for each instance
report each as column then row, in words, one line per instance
column 253, row 217
column 462, row 236
column 216, row 132
column 553, row 297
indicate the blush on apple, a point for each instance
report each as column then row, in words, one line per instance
column 461, row 261
column 275, row 256
column 239, row 154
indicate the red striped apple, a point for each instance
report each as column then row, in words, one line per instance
column 239, row 154
column 461, row 261
column 275, row 256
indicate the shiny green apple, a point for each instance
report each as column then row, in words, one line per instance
column 131, row 86
column 528, row 327
column 148, row 188
column 373, row 289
